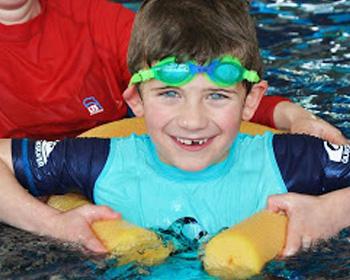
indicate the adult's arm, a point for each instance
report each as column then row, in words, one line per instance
column 278, row 112
column 294, row 118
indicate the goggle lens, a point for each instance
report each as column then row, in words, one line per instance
column 226, row 74
column 172, row 73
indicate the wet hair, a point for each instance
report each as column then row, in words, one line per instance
column 199, row 30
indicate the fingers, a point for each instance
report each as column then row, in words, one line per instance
column 91, row 242
column 293, row 241
column 296, row 242
column 94, row 213
column 75, row 225
column 330, row 133
column 319, row 128
column 335, row 138
column 307, row 220
column 278, row 202
column 306, row 242
column 296, row 238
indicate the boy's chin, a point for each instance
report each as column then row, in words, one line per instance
column 191, row 167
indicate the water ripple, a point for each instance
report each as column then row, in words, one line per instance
column 305, row 46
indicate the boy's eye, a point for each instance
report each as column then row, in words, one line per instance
column 217, row 96
column 170, row 93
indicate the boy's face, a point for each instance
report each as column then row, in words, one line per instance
column 192, row 126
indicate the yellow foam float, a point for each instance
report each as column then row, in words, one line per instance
column 128, row 242
column 125, row 127
column 243, row 250
column 236, row 253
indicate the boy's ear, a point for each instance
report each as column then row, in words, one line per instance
column 133, row 99
column 253, row 99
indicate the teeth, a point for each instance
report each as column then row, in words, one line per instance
column 192, row 142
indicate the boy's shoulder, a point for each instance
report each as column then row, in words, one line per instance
column 132, row 144
column 280, row 138
column 133, row 137
column 246, row 138
column 279, row 144
column 249, row 147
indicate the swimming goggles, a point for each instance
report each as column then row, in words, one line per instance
column 225, row 71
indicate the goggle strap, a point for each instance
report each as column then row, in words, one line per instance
column 142, row 76
column 251, row 76
column 228, row 58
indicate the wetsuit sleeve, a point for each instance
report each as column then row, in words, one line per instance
column 264, row 113
column 57, row 167
column 310, row 165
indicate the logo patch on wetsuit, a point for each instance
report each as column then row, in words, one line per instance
column 92, row 105
column 43, row 150
column 337, row 153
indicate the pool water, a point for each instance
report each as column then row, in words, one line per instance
column 306, row 51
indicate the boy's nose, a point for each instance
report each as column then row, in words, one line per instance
column 193, row 118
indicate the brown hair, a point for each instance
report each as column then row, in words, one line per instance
column 193, row 29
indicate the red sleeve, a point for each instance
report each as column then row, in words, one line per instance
column 264, row 113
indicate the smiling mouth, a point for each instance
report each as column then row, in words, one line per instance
column 192, row 144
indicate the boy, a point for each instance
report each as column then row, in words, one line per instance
column 197, row 72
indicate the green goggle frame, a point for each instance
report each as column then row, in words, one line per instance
column 224, row 72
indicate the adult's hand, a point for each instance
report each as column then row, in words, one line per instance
column 311, row 218
column 75, row 225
